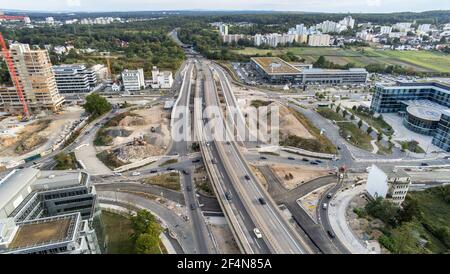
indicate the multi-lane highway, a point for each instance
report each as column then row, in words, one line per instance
column 277, row 234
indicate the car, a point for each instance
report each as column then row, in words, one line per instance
column 153, row 171
column 424, row 164
column 324, row 206
column 314, row 163
column 247, row 177
column 193, row 206
column 196, row 160
column 185, row 172
column 214, row 161
column 318, row 161
column 263, row 158
column 117, row 174
column 170, row 168
column 329, row 195
column 257, row 233
column 331, row 234
column 228, row 195
column 305, row 160
column 135, row 173
column 291, row 158
column 261, row 201
column 189, row 188
column 339, row 148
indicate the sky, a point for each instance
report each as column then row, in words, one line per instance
column 278, row 5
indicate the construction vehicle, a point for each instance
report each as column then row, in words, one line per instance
column 14, row 78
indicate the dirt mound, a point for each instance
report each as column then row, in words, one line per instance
column 136, row 153
column 131, row 121
column 30, row 143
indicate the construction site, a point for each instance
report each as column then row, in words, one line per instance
column 134, row 135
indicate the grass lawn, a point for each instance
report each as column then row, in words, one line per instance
column 379, row 124
column 118, row 229
column 422, row 61
column 169, row 162
column 329, row 114
column 382, row 150
column 168, row 180
column 320, row 144
column 357, row 138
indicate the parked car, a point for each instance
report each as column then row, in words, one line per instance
column 291, row 158
column 257, row 233
column 262, row 201
column 247, row 177
column 305, row 160
column 193, row 207
column 318, row 161
column 153, row 171
column 228, row 195
column 135, row 173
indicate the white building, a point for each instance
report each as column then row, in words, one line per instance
column 403, row 27
column 319, row 40
column 389, row 183
column 74, row 78
column 223, row 29
column 385, row 29
column 101, row 72
column 49, row 20
column 348, row 21
column 161, row 79
column 133, row 79
column 230, row 38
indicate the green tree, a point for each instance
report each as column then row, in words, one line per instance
column 369, row 130
column 379, row 136
column 96, row 105
column 360, row 123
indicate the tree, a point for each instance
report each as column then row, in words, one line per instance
column 353, row 117
column 344, row 113
column 146, row 233
column 369, row 130
column 360, row 123
column 379, row 136
column 96, row 105
column 338, row 109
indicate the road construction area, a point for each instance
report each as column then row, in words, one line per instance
column 19, row 140
column 134, row 135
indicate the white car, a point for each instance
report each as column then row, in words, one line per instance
column 136, row 173
column 257, row 233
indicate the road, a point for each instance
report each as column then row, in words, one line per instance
column 277, row 233
column 201, row 234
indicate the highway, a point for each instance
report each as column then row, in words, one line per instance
column 201, row 234
column 277, row 234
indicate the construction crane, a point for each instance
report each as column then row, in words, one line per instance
column 14, row 77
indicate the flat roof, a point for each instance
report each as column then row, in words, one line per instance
column 42, row 231
column 50, row 179
column 393, row 172
column 425, row 113
column 14, row 182
column 275, row 65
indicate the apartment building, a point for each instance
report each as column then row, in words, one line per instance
column 389, row 183
column 62, row 203
column 74, row 78
column 133, row 80
column 37, row 79
column 319, row 40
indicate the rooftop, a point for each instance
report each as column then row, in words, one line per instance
column 42, row 231
column 14, row 182
column 393, row 172
column 425, row 109
column 275, row 65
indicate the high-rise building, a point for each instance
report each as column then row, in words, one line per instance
column 36, row 77
column 348, row 21
column 319, row 40
column 74, row 78
column 385, row 29
column 133, row 80
column 223, row 29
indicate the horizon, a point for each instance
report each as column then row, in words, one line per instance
column 311, row 6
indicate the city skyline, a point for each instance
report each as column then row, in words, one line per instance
column 344, row 6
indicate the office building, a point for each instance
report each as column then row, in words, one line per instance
column 61, row 203
column 161, row 79
column 74, row 78
column 133, row 80
column 278, row 71
column 425, row 107
column 388, row 183
column 37, row 79
column 319, row 40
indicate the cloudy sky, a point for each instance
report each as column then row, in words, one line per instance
column 281, row 5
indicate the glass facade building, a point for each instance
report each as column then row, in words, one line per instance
column 422, row 118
